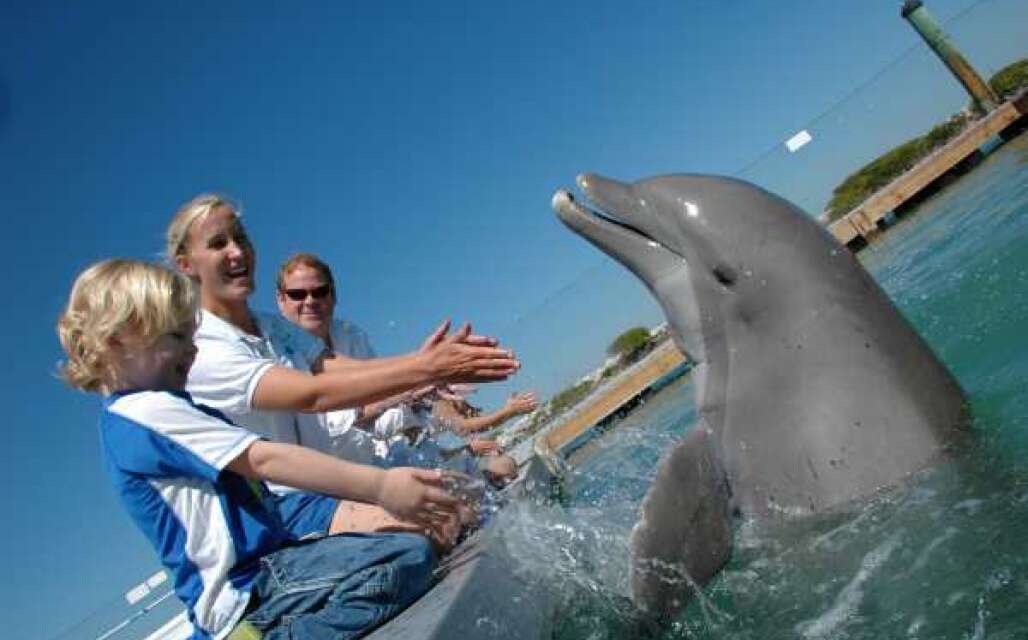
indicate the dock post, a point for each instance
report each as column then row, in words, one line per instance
column 982, row 96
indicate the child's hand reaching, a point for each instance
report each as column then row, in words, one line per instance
column 416, row 495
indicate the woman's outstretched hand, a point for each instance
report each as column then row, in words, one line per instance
column 465, row 357
column 443, row 329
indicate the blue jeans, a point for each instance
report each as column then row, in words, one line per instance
column 304, row 514
column 340, row 586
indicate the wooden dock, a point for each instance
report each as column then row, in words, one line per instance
column 603, row 402
column 863, row 222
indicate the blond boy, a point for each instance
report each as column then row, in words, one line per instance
column 193, row 482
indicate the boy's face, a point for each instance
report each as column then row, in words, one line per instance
column 313, row 310
column 220, row 256
column 161, row 366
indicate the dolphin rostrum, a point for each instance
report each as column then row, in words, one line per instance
column 812, row 390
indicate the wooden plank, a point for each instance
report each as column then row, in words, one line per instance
column 863, row 220
column 664, row 359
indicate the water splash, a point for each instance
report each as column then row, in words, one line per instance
column 828, row 624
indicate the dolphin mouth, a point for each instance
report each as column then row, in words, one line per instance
column 564, row 203
column 600, row 227
column 625, row 229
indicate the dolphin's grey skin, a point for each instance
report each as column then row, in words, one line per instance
column 812, row 389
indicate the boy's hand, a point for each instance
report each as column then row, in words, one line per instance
column 416, row 495
column 463, row 357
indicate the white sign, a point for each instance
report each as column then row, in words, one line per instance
column 794, row 143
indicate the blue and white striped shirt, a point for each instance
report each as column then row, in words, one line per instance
column 167, row 458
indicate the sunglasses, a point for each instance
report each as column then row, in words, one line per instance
column 299, row 295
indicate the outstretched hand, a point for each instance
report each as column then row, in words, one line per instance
column 440, row 332
column 435, row 337
column 416, row 495
column 522, row 403
column 465, row 357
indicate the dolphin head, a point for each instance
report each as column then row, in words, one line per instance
column 703, row 245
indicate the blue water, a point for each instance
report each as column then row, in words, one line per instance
column 945, row 557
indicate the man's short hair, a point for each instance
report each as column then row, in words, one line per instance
column 308, row 260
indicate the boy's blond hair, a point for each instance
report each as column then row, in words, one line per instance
column 196, row 209
column 119, row 296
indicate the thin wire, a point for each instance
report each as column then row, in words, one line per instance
column 135, row 616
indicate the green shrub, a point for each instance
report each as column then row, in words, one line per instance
column 1008, row 80
column 863, row 183
column 629, row 342
column 570, row 397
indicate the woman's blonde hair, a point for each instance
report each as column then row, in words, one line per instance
column 119, row 296
column 196, row 209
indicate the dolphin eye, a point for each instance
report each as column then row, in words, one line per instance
column 725, row 275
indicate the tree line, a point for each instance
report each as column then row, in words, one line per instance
column 864, row 182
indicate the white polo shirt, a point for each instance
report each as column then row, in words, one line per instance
column 351, row 340
column 230, row 363
column 343, row 439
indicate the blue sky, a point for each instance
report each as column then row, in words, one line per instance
column 415, row 146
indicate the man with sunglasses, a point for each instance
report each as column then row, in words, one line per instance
column 307, row 297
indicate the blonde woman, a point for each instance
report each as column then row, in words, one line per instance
column 258, row 369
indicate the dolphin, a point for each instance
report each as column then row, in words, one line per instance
column 812, row 389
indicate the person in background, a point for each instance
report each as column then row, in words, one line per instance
column 451, row 405
column 193, row 482
column 260, row 370
column 307, row 297
column 452, row 408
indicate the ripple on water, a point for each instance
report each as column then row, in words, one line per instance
column 828, row 624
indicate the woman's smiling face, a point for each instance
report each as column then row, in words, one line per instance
column 219, row 255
